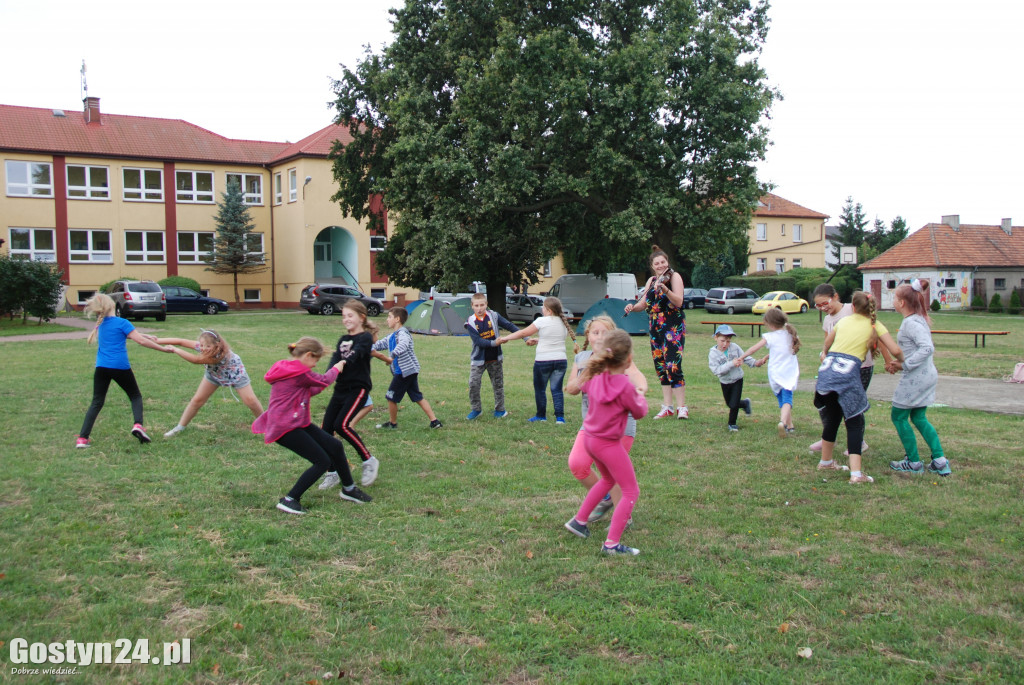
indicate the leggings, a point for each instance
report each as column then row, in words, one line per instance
column 732, row 392
column 613, row 462
column 580, row 460
column 902, row 418
column 323, row 451
column 341, row 411
column 832, row 416
column 125, row 379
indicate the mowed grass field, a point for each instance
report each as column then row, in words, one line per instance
column 460, row 570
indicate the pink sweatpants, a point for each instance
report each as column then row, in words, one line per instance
column 580, row 460
column 613, row 463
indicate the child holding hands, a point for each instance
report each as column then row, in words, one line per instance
column 721, row 360
column 486, row 356
column 783, row 369
column 404, row 366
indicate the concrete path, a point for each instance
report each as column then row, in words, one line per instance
column 84, row 324
column 983, row 394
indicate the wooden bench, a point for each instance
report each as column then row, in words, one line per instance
column 974, row 333
column 738, row 323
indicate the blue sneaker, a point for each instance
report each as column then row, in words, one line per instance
column 907, row 466
column 943, row 470
column 500, row 414
column 559, row 420
column 747, row 409
column 733, row 428
column 472, row 415
column 577, row 528
column 535, row 419
column 620, row 549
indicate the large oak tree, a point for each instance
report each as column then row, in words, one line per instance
column 502, row 131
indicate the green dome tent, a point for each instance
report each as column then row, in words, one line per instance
column 634, row 324
column 434, row 317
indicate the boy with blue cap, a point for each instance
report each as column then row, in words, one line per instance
column 721, row 360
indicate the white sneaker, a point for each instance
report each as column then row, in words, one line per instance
column 174, row 431
column 369, row 471
column 682, row 413
column 665, row 412
column 331, row 478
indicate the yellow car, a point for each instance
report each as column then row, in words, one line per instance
column 780, row 299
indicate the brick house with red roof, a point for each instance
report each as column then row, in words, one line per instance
column 959, row 260
column 107, row 196
column 783, row 236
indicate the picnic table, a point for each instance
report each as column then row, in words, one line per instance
column 976, row 334
column 739, row 323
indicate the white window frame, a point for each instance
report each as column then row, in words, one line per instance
column 142, row 192
column 293, row 185
column 194, row 255
column 91, row 254
column 762, row 263
column 780, row 265
column 783, row 233
column 34, row 253
column 762, row 231
column 248, row 197
column 91, row 190
column 84, row 295
column 247, row 297
column 798, row 262
column 798, row 233
column 547, row 269
column 277, row 188
column 28, row 188
column 144, row 255
column 379, row 293
column 378, row 243
column 252, row 253
column 192, row 195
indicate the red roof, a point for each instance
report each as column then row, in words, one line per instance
column 315, row 145
column 37, row 130
column 773, row 205
column 939, row 246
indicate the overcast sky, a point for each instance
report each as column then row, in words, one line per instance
column 913, row 107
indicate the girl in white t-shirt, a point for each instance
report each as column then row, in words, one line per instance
column 551, row 361
column 783, row 370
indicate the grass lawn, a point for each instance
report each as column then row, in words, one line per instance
column 460, row 570
column 31, row 327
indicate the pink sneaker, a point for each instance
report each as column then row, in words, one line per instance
column 81, row 443
column 682, row 413
column 862, row 478
column 665, row 412
column 139, row 432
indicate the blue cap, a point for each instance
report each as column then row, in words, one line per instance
column 725, row 329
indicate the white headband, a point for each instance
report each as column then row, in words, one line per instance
column 916, row 285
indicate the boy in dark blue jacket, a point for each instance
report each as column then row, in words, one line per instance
column 486, row 356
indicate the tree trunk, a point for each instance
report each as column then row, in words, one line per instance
column 237, row 300
column 496, row 293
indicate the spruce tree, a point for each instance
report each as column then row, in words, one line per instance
column 230, row 249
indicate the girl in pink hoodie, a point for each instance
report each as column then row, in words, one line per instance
column 287, row 422
column 612, row 398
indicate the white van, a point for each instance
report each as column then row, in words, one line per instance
column 578, row 292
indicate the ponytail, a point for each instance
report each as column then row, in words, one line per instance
column 614, row 354
column 554, row 305
column 791, row 329
column 915, row 299
column 306, row 344
column 101, row 306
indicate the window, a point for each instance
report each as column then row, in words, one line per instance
column 29, row 179
column 379, row 293
column 762, row 231
column 547, row 269
column 277, row 188
column 254, row 246
column 90, row 246
column 949, row 283
column 194, row 246
column 84, row 295
column 143, row 246
column 798, row 233
column 34, row 243
column 88, row 182
column 293, row 185
column 251, row 295
column 783, row 230
column 780, row 265
column 890, row 284
column 762, row 263
column 251, row 185
column 142, row 185
column 322, row 252
column 797, row 262
column 1000, row 284
column 194, row 186
column 378, row 243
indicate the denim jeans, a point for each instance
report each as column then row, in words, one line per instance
column 553, row 371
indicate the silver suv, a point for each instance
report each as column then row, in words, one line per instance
column 730, row 300
column 138, row 299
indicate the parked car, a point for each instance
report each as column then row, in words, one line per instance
column 694, row 297
column 730, row 300
column 781, row 299
column 523, row 307
column 138, row 299
column 328, row 298
column 187, row 300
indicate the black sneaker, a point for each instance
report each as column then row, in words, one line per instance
column 747, row 408
column 290, row 506
column 387, row 425
column 436, row 424
column 577, row 528
column 355, row 495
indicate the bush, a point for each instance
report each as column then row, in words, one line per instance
column 105, row 288
column 31, row 287
column 181, row 282
column 936, row 306
column 1014, row 307
column 977, row 304
column 995, row 306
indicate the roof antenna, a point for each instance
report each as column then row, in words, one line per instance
column 84, row 89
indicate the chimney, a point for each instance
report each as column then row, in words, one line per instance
column 1008, row 226
column 953, row 221
column 92, row 110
